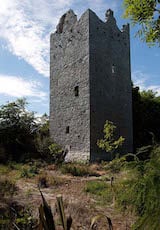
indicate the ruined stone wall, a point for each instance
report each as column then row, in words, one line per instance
column 110, row 81
column 69, row 63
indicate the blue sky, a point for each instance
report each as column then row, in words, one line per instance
column 25, row 27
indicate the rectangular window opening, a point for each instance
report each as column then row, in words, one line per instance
column 76, row 91
column 67, row 129
column 113, row 69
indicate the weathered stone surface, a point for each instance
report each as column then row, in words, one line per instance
column 89, row 83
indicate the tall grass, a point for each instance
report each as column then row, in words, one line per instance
column 101, row 190
column 77, row 169
column 140, row 192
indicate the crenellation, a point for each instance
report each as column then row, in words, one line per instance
column 66, row 22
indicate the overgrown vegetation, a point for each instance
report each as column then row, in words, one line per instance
column 101, row 189
column 139, row 193
column 76, row 169
column 134, row 179
column 109, row 142
column 136, row 191
column 17, row 130
column 7, row 187
column 47, row 220
column 17, row 216
column 115, row 165
column 146, row 118
column 23, row 136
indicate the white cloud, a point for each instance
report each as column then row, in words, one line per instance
column 18, row 87
column 142, row 80
column 26, row 26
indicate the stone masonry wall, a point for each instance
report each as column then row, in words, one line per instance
column 110, row 82
column 69, row 58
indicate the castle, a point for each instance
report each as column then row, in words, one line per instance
column 90, row 82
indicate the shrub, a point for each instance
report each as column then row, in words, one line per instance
column 29, row 172
column 56, row 153
column 77, row 170
column 109, row 142
column 8, row 187
column 115, row 165
column 140, row 192
column 17, row 129
column 43, row 181
column 16, row 216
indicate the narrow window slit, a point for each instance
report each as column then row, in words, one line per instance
column 76, row 91
column 113, row 69
column 67, row 129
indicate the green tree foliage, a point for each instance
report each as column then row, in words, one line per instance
column 17, row 129
column 24, row 136
column 42, row 139
column 146, row 14
column 109, row 143
column 146, row 117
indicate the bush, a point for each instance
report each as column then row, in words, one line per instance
column 29, row 172
column 8, row 188
column 43, row 181
column 17, row 129
column 109, row 143
column 15, row 216
column 140, row 192
column 77, row 170
column 115, row 165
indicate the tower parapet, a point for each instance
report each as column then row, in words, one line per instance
column 66, row 21
column 110, row 16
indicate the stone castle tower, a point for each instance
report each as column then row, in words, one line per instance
column 90, row 83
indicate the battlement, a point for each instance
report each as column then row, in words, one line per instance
column 69, row 20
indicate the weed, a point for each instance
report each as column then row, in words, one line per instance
column 101, row 189
column 4, row 169
column 29, row 172
column 28, row 193
column 78, row 170
column 139, row 192
column 115, row 165
column 43, row 181
column 16, row 216
column 8, row 188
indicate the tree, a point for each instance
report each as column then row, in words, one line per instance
column 109, row 144
column 146, row 14
column 17, row 129
column 146, row 117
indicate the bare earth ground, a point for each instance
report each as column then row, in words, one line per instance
column 80, row 205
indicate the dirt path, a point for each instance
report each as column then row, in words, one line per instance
column 79, row 204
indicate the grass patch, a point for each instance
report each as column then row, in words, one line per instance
column 101, row 190
column 29, row 171
column 78, row 170
column 8, row 188
column 44, row 180
column 16, row 214
column 18, row 170
column 115, row 165
column 4, row 169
